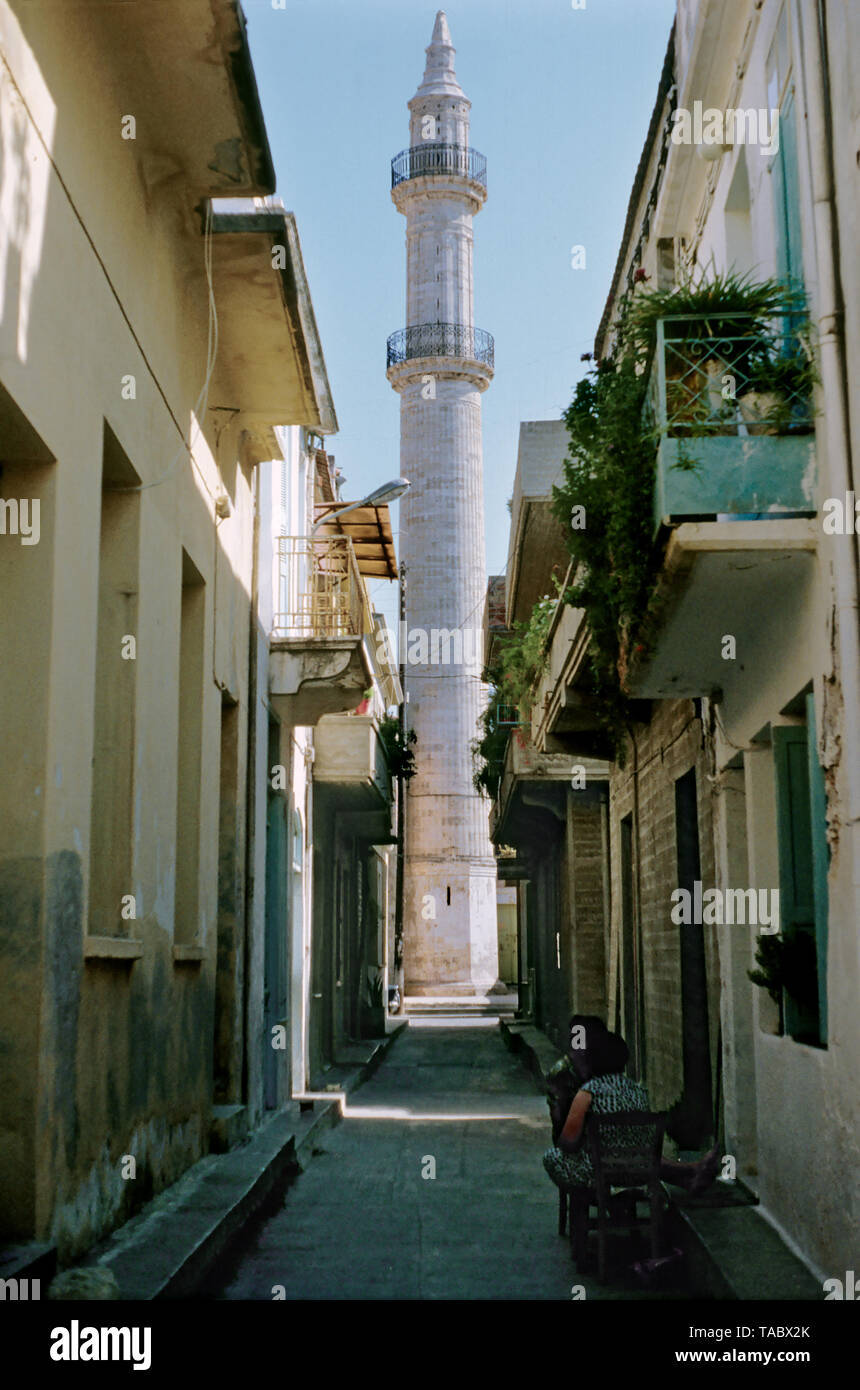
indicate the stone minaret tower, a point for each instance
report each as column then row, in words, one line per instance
column 439, row 364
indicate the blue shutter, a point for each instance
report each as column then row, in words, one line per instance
column 789, row 241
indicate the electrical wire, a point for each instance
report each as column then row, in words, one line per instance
column 201, row 405
column 210, row 356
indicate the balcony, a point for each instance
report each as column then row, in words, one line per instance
column 537, row 547
column 736, row 483
column 494, row 626
column 350, row 763
column 734, row 420
column 318, row 659
column 565, row 718
column 435, row 169
column 436, row 160
column 440, row 340
column 533, row 793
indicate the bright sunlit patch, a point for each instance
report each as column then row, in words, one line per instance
column 372, row 1112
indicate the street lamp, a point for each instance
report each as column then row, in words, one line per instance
column 387, row 493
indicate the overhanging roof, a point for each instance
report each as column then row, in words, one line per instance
column 266, row 317
column 185, row 68
column 369, row 529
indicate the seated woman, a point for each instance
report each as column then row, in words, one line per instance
column 598, row 1066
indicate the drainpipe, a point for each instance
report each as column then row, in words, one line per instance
column 250, row 801
column 399, row 974
column 639, row 1035
column 836, row 409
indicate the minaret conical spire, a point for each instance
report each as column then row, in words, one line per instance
column 440, row 78
column 441, row 32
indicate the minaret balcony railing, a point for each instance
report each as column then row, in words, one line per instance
column 438, row 160
column 441, row 340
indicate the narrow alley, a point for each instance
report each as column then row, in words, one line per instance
column 363, row 1222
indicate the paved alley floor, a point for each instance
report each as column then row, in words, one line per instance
column 367, row 1221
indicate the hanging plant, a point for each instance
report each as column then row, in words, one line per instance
column 521, row 659
column 787, row 963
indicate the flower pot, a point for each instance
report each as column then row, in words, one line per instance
column 759, row 411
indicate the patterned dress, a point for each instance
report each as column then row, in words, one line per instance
column 609, row 1095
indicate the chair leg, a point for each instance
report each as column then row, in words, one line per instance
column 601, row 1243
column 562, row 1211
column 578, row 1213
column 656, row 1213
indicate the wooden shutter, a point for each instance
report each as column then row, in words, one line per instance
column 796, row 875
column 820, row 862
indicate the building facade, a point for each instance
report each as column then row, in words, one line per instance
column 172, row 630
column 732, row 822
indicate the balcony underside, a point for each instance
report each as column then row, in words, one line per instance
column 359, row 811
column 739, row 579
column 533, row 792
column 313, row 676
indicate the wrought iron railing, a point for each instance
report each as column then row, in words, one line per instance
column 440, row 340
column 507, row 716
column 435, row 159
column 320, row 590
column 711, row 377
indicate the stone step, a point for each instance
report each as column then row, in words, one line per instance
column 458, row 1006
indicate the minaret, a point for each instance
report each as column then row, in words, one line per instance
column 439, row 364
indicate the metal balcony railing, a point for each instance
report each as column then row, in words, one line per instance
column 507, row 716
column 320, row 590
column 440, row 340
column 727, row 376
column 439, row 160
column 730, row 404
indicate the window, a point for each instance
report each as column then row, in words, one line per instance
column 693, row 1120
column 783, row 169
column 804, row 854
column 111, row 904
column 189, row 753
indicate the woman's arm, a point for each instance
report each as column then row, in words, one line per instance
column 571, row 1135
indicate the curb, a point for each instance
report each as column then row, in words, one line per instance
column 533, row 1047
column 171, row 1248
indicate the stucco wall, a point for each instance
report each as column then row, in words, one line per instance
column 115, row 1056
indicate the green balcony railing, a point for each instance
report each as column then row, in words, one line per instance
column 731, row 405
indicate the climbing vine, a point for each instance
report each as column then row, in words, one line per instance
column 399, row 755
column 606, row 507
column 512, row 677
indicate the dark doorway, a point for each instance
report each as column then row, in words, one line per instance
column 229, row 1031
column 631, row 968
column 692, row 1120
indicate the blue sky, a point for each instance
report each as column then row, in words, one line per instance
column 561, row 100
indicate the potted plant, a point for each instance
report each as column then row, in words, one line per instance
column 711, row 330
column 777, row 391
column 787, row 966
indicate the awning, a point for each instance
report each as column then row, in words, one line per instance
column 369, row 529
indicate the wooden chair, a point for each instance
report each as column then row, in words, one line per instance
column 636, row 1169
